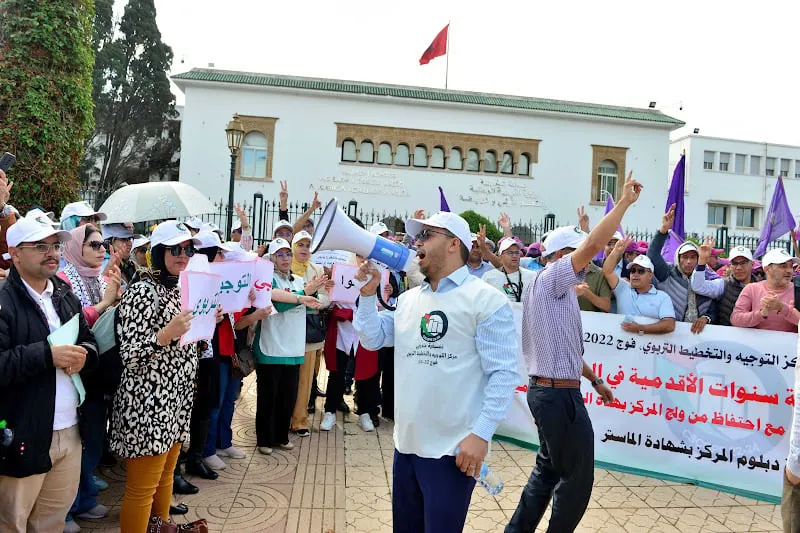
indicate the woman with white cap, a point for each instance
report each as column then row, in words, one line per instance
column 153, row 404
column 139, row 253
column 80, row 213
column 279, row 350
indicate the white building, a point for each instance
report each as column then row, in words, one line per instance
column 388, row 147
column 730, row 182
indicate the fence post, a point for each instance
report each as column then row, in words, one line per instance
column 352, row 208
column 258, row 217
column 722, row 238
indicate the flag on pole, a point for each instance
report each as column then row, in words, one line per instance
column 675, row 196
column 609, row 206
column 437, row 48
column 443, row 201
column 779, row 220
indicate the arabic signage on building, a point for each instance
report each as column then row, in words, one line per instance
column 714, row 408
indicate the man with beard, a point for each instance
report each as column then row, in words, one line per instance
column 456, row 360
column 725, row 290
column 769, row 304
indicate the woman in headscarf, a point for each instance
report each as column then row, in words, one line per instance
column 153, row 404
column 315, row 329
column 83, row 255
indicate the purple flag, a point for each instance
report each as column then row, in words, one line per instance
column 609, row 206
column 779, row 220
column 443, row 201
column 675, row 196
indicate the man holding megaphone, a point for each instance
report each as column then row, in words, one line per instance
column 455, row 367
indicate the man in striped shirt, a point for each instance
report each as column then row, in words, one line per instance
column 553, row 348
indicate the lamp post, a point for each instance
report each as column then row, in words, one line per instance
column 235, row 133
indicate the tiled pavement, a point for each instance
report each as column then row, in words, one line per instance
column 341, row 481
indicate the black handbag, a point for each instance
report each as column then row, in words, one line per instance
column 242, row 360
column 316, row 328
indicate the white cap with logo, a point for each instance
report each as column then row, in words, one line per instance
column 563, row 237
column 740, row 251
column 777, row 256
column 33, row 230
column 643, row 261
column 170, row 233
column 278, row 244
column 300, row 236
column 282, row 224
column 80, row 209
column 507, row 243
column 40, row 215
column 378, row 228
column 444, row 220
column 209, row 239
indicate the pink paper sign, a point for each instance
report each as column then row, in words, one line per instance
column 346, row 289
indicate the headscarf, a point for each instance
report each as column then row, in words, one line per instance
column 70, row 223
column 73, row 252
column 159, row 271
column 298, row 268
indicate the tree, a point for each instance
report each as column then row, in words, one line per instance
column 133, row 101
column 46, row 61
column 475, row 220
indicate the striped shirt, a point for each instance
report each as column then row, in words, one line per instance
column 495, row 340
column 552, row 332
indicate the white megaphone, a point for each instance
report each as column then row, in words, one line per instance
column 335, row 231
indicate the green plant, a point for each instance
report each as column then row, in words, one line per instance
column 46, row 61
column 474, row 220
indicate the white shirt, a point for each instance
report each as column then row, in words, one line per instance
column 66, row 409
column 346, row 338
column 499, row 280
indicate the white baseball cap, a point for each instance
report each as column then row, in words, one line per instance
column 38, row 214
column 237, row 224
column 445, row 220
column 617, row 236
column 776, row 256
column 378, row 228
column 33, row 230
column 301, row 235
column 194, row 223
column 740, row 251
column 138, row 243
column 644, row 262
column 80, row 209
column 507, row 243
column 170, row 233
column 563, row 237
column 685, row 247
column 282, row 224
column 210, row 226
column 208, row 239
column 238, row 253
column 278, row 244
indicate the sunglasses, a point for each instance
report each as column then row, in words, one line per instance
column 426, row 233
column 636, row 270
column 96, row 245
column 176, row 250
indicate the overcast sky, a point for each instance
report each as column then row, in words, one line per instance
column 731, row 64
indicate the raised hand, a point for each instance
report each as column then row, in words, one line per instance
column 242, row 214
column 5, row 189
column 482, row 235
column 419, row 214
column 583, row 219
column 504, row 221
column 705, row 250
column 630, row 190
column 284, row 195
column 667, row 219
column 315, row 203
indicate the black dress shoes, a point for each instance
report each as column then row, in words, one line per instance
column 179, row 509
column 181, row 486
column 197, row 467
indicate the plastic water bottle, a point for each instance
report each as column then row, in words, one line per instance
column 6, row 434
column 488, row 479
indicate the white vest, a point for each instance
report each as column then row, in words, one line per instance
column 284, row 334
column 438, row 373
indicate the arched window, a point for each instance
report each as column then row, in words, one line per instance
column 367, row 153
column 606, row 180
column 385, row 154
column 401, row 159
column 507, row 166
column 437, row 157
column 254, row 155
column 420, row 156
column 349, row 150
column 490, row 161
column 455, row 161
column 473, row 160
column 524, row 166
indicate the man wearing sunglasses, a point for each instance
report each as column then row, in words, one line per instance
column 455, row 363
column 724, row 290
column 639, row 297
column 39, row 383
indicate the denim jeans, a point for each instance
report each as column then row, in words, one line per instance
column 94, row 415
column 220, row 435
column 564, row 468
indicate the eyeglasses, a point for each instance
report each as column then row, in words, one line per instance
column 512, row 252
column 284, row 235
column 43, row 248
column 739, row 263
column 96, row 245
column 177, row 249
column 424, row 234
column 636, row 270
column 283, row 255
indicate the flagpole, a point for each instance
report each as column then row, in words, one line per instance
column 447, row 64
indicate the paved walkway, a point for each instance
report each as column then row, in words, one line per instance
column 341, row 481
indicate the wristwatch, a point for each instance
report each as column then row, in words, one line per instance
column 298, row 298
column 597, row 382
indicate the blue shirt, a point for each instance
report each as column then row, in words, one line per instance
column 530, row 263
column 480, row 271
column 495, row 339
column 653, row 303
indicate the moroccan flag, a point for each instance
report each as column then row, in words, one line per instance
column 437, row 48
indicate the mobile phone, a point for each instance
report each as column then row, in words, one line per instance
column 7, row 161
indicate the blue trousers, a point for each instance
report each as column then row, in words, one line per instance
column 429, row 495
column 94, row 414
column 564, row 468
column 220, row 435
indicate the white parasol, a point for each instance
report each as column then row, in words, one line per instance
column 155, row 201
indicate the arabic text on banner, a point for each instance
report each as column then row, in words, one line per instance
column 236, row 280
column 346, row 289
column 713, row 408
column 262, row 282
column 328, row 258
column 200, row 294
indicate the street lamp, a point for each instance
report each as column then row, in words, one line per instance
column 235, row 133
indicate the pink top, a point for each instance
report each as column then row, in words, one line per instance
column 747, row 313
column 89, row 312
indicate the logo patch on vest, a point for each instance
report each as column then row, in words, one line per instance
column 433, row 326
